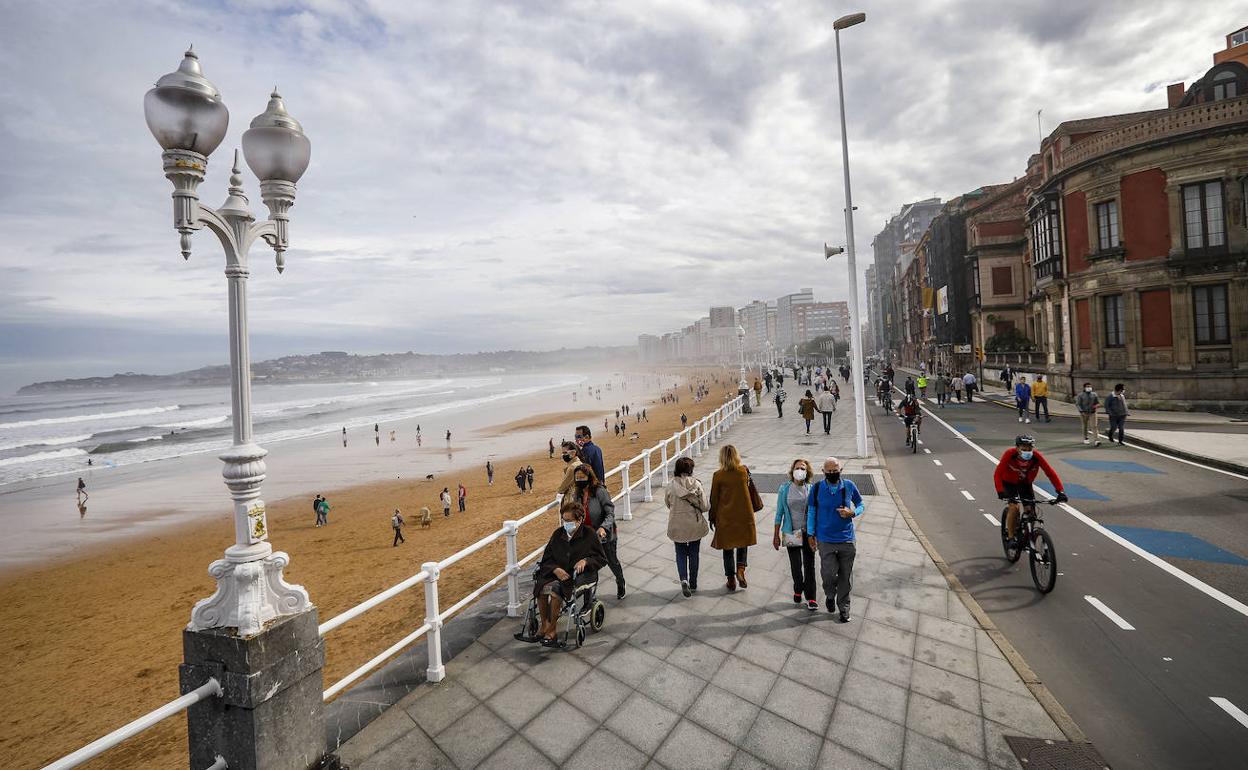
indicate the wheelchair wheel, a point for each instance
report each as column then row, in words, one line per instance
column 599, row 616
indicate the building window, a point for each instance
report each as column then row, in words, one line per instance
column 1224, row 86
column 1213, row 325
column 1115, row 334
column 1204, row 223
column 1107, row 225
column 1002, row 281
column 1239, row 38
column 1046, row 239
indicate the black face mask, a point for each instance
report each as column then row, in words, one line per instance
column 832, row 477
column 567, row 458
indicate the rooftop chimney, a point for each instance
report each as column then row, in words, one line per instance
column 1174, row 95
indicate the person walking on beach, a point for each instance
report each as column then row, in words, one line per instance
column 489, row 473
column 1040, row 395
column 1087, row 402
column 790, row 531
column 833, row 504
column 686, row 522
column 552, row 447
column 396, row 521
column 732, row 515
column 684, row 421
column 1116, row 409
column 322, row 513
column 448, row 435
column 445, row 497
column 528, row 477
column 590, row 453
column 462, row 496
column 806, row 408
column 82, row 490
column 826, row 404
column 316, row 509
column 520, row 479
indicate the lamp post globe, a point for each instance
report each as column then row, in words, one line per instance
column 184, row 110
column 275, row 146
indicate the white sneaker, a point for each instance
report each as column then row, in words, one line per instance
column 1028, row 421
column 1020, row 419
column 1085, row 441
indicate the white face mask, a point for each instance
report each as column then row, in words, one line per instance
column 799, row 474
column 1087, row 390
column 570, row 526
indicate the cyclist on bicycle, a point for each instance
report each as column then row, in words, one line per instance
column 1014, row 475
column 908, row 410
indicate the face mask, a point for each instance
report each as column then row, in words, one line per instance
column 582, row 483
column 570, row 526
column 799, row 474
column 832, row 477
column 1087, row 390
column 567, row 458
column 1025, row 454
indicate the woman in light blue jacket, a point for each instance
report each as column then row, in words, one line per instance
column 791, row 532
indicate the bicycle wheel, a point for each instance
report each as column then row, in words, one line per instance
column 914, row 440
column 1043, row 561
column 1012, row 554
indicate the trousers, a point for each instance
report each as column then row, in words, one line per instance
column 837, row 565
column 687, row 556
column 734, row 558
column 398, row 536
column 613, row 561
column 1042, row 401
column 827, row 422
column 802, row 567
column 1117, row 423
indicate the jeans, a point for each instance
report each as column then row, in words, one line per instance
column 837, row 566
column 733, row 559
column 1117, row 422
column 779, row 409
column 827, row 422
column 802, row 566
column 970, row 393
column 807, row 425
column 687, row 561
column 398, row 536
column 613, row 561
column 1022, row 407
column 1042, row 401
column 462, row 505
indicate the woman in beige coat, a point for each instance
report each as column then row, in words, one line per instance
column 732, row 514
column 686, row 522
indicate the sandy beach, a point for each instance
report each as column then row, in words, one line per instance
column 94, row 639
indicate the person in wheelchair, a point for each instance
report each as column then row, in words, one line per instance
column 571, row 559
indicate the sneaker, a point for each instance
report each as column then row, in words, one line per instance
column 1085, row 441
column 845, row 617
column 685, row 589
column 619, row 591
column 1098, row 442
column 1028, row 421
column 812, row 605
column 830, row 607
column 1020, row 419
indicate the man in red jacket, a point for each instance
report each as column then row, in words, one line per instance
column 1015, row 473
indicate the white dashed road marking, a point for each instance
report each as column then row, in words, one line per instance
column 938, row 462
column 992, row 520
column 1236, row 713
column 1107, row 612
column 966, row 494
column 926, row 450
column 949, row 476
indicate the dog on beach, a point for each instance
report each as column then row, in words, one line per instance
column 634, row 436
column 429, row 477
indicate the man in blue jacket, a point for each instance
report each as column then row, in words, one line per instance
column 831, row 508
column 590, row 453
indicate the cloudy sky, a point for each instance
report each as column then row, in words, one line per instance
column 532, row 174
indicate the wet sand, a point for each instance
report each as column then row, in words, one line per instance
column 94, row 641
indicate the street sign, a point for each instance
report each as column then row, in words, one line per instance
column 962, row 348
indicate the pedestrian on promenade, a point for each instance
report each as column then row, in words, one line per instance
column 1007, row 376
column 826, row 404
column 790, row 531
column 445, row 497
column 969, row 382
column 552, row 447
column 1022, row 398
column 833, row 504
column 590, row 453
column 489, row 473
column 462, row 495
column 686, row 522
column 922, row 385
column 806, row 408
column 1040, row 395
column 1116, row 409
column 733, row 505
column 758, row 392
column 1087, row 402
column 528, row 477
column 396, row 521
column 780, row 396
column 767, row 378
column 956, row 382
column 836, row 390
column 572, row 460
column 600, row 517
column 572, row 550
column 942, row 389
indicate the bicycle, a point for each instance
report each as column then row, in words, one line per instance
column 912, row 433
column 1035, row 540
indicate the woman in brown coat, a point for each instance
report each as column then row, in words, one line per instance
column 807, row 409
column 732, row 514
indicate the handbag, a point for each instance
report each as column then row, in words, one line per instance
column 756, row 500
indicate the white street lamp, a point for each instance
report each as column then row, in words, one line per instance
column 186, row 115
column 741, row 351
column 855, row 337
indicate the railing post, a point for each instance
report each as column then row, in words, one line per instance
column 695, row 439
column 649, row 474
column 436, row 671
column 513, row 569
column 628, row 497
column 706, row 433
column 663, row 460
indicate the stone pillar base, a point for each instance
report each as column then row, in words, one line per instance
column 270, row 715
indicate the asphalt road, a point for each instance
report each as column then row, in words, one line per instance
column 1144, row 693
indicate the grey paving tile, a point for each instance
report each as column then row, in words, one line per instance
column 819, row 640
column 642, row 722
column 1025, row 714
column 950, row 657
column 985, row 646
column 558, row 730
column 441, row 706
column 943, row 630
column 520, row 701
column 744, row 760
column 473, row 737
column 673, row 687
column 392, row 725
column 697, row 658
column 881, row 663
column 605, row 750
column 690, row 746
column 723, row 713
column 946, row 687
column 997, row 750
column 516, row 752
column 813, row 671
column 487, row 677
column 887, row 637
column 762, row 650
column 782, row 743
column 745, row 679
column 836, row 757
column 414, row 749
column 867, row 734
column 869, row 693
column 630, row 664
column 656, row 639
column 801, row 704
column 897, row 617
column 559, row 672
column 924, row 753
column 947, row 724
column 958, row 613
column 598, row 694
column 999, row 673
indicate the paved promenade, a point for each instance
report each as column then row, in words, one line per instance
column 740, row 680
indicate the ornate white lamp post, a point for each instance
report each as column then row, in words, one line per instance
column 186, row 115
column 741, row 353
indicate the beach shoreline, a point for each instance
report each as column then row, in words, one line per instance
column 111, row 615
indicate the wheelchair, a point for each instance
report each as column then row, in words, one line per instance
column 579, row 612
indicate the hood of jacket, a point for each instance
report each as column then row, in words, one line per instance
column 684, row 486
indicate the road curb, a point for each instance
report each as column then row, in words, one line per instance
column 1064, row 721
column 1212, row 462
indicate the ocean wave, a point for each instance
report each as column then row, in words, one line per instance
column 38, row 456
column 143, row 439
column 88, row 417
column 194, row 423
column 29, row 442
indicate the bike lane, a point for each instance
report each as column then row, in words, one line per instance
column 1133, row 652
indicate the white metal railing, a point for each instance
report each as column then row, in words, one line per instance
column 696, row 437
